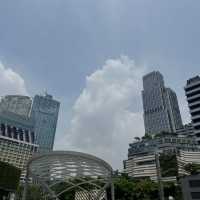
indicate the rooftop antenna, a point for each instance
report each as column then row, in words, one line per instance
column 45, row 92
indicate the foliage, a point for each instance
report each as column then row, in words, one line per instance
column 126, row 188
column 137, row 138
column 147, row 137
column 34, row 192
column 192, row 168
column 170, row 189
column 168, row 164
column 9, row 176
column 129, row 189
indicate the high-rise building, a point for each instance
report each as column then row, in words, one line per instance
column 45, row 114
column 160, row 104
column 17, row 140
column 17, row 104
column 192, row 91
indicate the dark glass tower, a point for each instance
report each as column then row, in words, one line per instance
column 160, row 104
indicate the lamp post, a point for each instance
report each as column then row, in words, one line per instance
column 160, row 184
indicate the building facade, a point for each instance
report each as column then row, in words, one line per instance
column 45, row 114
column 141, row 166
column 17, row 104
column 191, row 187
column 160, row 104
column 42, row 111
column 17, row 140
column 192, row 91
column 187, row 130
column 141, row 162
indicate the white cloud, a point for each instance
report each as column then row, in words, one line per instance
column 108, row 113
column 11, row 82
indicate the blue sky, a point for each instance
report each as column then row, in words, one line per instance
column 54, row 45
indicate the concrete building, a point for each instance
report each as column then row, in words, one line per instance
column 17, row 104
column 141, row 166
column 187, row 131
column 186, row 157
column 192, row 91
column 17, row 140
column 45, row 114
column 141, row 162
column 160, row 104
column 191, row 187
column 42, row 111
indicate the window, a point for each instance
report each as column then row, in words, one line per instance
column 195, row 195
column 194, row 183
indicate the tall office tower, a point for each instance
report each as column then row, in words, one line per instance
column 45, row 113
column 17, row 104
column 160, row 104
column 192, row 91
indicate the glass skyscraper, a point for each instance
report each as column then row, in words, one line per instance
column 17, row 104
column 45, row 111
column 160, row 104
column 42, row 111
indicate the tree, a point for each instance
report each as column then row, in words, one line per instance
column 147, row 137
column 35, row 192
column 192, row 168
column 9, row 178
column 137, row 138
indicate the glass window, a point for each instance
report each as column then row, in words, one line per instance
column 194, row 183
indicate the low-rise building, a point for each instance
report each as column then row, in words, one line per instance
column 187, row 130
column 186, row 157
column 141, row 162
column 141, row 166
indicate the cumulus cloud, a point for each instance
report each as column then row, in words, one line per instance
column 108, row 115
column 11, row 82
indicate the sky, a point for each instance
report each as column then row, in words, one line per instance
column 91, row 56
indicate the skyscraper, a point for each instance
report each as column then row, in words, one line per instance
column 192, row 91
column 160, row 104
column 17, row 139
column 17, row 104
column 45, row 113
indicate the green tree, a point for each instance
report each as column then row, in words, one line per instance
column 192, row 168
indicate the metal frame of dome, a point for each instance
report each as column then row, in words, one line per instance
column 57, row 167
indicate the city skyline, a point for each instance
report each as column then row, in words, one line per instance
column 73, row 50
column 132, row 137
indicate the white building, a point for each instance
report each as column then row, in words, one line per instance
column 141, row 166
column 186, row 157
column 192, row 91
